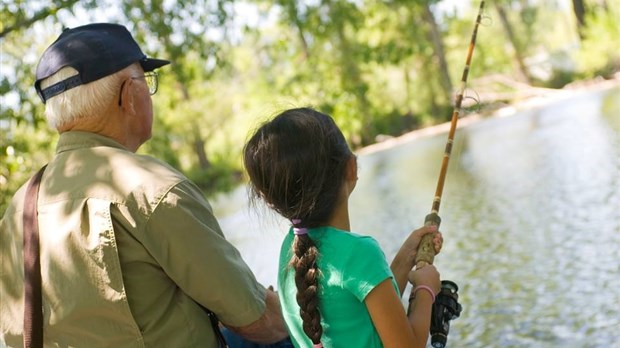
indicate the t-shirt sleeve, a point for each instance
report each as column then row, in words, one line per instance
column 187, row 242
column 366, row 268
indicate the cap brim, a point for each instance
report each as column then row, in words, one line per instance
column 150, row 64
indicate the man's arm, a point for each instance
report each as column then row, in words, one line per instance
column 270, row 327
column 186, row 240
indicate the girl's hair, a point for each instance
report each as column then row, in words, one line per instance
column 297, row 164
column 84, row 101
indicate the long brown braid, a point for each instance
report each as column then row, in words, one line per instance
column 297, row 165
column 305, row 253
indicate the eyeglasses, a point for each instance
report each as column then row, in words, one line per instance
column 151, row 80
column 150, row 77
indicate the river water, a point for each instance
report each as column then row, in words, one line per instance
column 531, row 221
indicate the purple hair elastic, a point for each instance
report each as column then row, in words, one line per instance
column 298, row 230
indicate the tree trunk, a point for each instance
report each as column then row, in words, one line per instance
column 408, row 88
column 198, row 142
column 430, row 87
column 434, row 36
column 293, row 15
column 199, row 148
column 580, row 14
column 518, row 56
column 352, row 81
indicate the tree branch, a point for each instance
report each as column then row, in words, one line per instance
column 42, row 14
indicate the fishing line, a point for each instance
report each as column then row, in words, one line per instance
column 426, row 251
column 446, row 306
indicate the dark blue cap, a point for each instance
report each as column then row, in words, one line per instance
column 95, row 51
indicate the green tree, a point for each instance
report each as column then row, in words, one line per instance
column 173, row 30
column 514, row 41
column 436, row 38
column 17, row 16
column 379, row 67
column 579, row 9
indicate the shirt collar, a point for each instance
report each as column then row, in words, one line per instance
column 74, row 140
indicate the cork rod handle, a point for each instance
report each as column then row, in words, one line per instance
column 426, row 250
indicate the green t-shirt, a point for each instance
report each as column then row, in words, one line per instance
column 350, row 266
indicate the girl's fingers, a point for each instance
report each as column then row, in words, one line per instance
column 438, row 242
column 426, row 230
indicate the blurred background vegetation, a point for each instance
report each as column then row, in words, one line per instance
column 379, row 67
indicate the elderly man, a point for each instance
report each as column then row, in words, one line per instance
column 130, row 252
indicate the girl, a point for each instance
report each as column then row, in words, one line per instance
column 335, row 287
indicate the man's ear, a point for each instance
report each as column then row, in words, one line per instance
column 127, row 94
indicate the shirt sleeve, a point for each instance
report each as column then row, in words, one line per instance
column 366, row 268
column 186, row 240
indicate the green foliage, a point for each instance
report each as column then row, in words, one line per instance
column 25, row 142
column 560, row 78
column 222, row 176
column 372, row 65
column 599, row 55
column 22, row 152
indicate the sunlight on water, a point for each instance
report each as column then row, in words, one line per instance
column 531, row 220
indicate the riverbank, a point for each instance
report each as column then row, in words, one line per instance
column 526, row 97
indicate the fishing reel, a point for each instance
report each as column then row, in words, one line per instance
column 445, row 309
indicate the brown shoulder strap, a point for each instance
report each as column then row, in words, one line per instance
column 33, row 302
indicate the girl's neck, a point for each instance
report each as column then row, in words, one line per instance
column 340, row 217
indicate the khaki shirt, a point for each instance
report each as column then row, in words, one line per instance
column 129, row 246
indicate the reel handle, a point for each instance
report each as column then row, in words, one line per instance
column 426, row 250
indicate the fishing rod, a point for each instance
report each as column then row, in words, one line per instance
column 446, row 306
column 426, row 251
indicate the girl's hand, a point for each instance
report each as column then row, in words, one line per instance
column 428, row 276
column 411, row 244
column 404, row 260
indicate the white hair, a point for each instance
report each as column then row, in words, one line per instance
column 85, row 101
